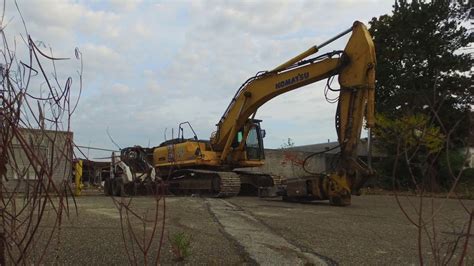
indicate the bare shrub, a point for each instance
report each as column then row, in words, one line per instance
column 420, row 149
column 36, row 149
column 143, row 228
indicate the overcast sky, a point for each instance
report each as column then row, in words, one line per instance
column 149, row 65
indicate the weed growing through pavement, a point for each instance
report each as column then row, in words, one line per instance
column 180, row 245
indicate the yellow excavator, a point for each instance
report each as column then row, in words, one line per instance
column 214, row 167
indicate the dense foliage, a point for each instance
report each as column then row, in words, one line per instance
column 423, row 81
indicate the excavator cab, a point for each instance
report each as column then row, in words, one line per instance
column 253, row 145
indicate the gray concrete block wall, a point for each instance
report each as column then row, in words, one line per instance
column 289, row 164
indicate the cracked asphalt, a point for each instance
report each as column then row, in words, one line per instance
column 249, row 230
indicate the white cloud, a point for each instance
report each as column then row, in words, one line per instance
column 152, row 84
column 124, row 5
column 143, row 30
column 120, row 89
column 101, row 53
column 99, row 24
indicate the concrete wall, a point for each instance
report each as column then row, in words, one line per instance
column 289, row 164
column 49, row 146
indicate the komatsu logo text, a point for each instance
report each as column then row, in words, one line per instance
column 298, row 78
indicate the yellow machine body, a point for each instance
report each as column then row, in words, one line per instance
column 200, row 154
column 78, row 178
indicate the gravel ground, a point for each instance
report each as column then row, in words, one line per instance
column 94, row 237
column 371, row 231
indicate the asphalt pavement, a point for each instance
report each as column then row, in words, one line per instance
column 249, row 230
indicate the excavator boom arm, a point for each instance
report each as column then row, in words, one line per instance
column 264, row 89
column 356, row 69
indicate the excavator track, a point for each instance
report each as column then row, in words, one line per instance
column 254, row 183
column 212, row 183
column 229, row 184
column 277, row 180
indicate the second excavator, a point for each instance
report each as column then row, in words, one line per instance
column 214, row 166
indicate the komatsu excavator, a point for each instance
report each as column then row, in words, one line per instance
column 209, row 166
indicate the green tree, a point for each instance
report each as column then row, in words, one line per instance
column 423, row 66
column 288, row 144
column 415, row 145
column 423, row 86
column 412, row 132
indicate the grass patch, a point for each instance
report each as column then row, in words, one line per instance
column 180, row 245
